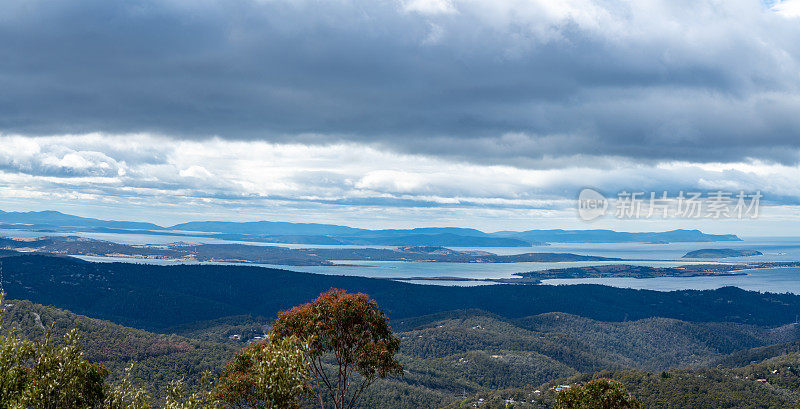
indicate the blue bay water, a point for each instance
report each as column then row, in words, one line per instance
column 773, row 280
column 651, row 254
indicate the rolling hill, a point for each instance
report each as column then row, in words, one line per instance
column 472, row 353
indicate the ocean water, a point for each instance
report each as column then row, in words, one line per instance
column 408, row 270
column 166, row 238
column 658, row 255
column 774, row 249
column 773, row 280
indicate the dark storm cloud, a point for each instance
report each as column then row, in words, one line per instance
column 498, row 82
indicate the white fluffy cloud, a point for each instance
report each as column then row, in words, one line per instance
column 343, row 179
column 787, row 8
column 431, row 7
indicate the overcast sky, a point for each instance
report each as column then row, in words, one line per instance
column 483, row 113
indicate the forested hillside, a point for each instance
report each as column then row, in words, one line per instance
column 673, row 389
column 453, row 355
column 157, row 358
column 530, row 337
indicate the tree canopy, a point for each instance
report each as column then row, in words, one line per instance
column 352, row 335
column 597, row 394
column 271, row 373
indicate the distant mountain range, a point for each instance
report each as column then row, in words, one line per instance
column 330, row 234
column 50, row 218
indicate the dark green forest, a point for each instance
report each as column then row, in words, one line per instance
column 726, row 348
column 468, row 355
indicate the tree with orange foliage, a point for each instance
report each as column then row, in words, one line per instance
column 348, row 344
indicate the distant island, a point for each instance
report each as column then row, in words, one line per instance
column 623, row 271
column 631, row 271
column 644, row 272
column 331, row 234
column 721, row 253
